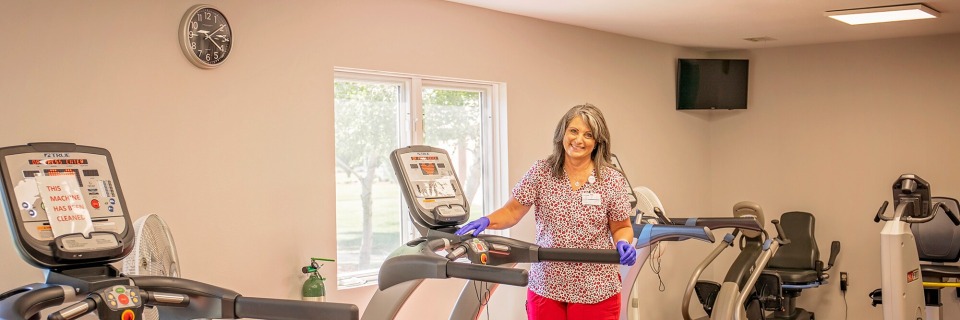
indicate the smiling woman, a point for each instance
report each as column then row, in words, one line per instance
column 579, row 202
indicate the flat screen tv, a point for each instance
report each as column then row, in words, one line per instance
column 712, row 84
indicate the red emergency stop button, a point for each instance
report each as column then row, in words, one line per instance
column 95, row 203
column 128, row 315
column 123, row 299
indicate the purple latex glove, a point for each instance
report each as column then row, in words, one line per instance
column 628, row 254
column 478, row 226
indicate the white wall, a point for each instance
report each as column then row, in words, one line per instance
column 829, row 129
column 111, row 74
column 822, row 133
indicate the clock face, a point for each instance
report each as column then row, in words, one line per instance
column 205, row 37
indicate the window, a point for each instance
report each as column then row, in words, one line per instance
column 376, row 113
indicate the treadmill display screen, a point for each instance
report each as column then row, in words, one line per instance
column 428, row 169
column 57, row 161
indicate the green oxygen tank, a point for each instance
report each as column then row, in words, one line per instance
column 313, row 289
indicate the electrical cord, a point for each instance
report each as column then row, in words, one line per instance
column 655, row 258
column 483, row 295
column 844, row 294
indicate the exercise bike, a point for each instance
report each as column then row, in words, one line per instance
column 69, row 218
column 902, row 284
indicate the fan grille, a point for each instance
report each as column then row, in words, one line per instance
column 647, row 200
column 154, row 254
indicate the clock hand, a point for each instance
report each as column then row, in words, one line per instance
column 214, row 42
column 218, row 30
column 206, row 34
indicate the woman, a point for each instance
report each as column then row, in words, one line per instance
column 580, row 203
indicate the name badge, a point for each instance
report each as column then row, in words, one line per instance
column 590, row 198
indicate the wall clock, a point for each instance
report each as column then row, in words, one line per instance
column 205, row 36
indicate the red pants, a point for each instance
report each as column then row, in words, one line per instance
column 541, row 308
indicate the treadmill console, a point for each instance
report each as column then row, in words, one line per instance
column 64, row 204
column 67, row 216
column 119, row 302
column 431, row 187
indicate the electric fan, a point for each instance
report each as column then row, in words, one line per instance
column 154, row 254
column 647, row 200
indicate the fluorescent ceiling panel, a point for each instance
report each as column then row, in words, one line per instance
column 883, row 14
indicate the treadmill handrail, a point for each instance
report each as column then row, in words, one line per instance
column 649, row 234
column 235, row 306
column 714, row 223
column 32, row 300
column 279, row 309
column 420, row 261
column 36, row 297
column 606, row 256
column 182, row 286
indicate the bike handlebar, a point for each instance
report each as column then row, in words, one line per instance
column 880, row 216
column 950, row 213
column 782, row 236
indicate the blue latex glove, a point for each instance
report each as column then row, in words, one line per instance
column 628, row 254
column 478, row 226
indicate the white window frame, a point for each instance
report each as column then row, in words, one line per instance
column 494, row 131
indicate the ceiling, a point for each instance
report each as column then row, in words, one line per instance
column 724, row 24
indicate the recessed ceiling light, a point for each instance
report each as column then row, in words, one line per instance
column 883, row 14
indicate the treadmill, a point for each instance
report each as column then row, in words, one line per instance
column 437, row 207
column 68, row 217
